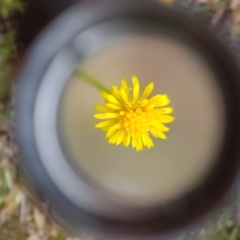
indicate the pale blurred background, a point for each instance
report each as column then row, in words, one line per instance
column 173, row 166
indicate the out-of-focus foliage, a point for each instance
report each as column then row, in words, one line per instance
column 6, row 45
column 7, row 56
column 210, row 5
column 225, row 229
column 20, row 219
column 8, row 7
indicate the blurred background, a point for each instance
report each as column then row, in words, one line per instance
column 22, row 214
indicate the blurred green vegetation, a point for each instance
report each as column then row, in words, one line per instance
column 210, row 5
column 8, row 53
column 9, row 7
column 225, row 229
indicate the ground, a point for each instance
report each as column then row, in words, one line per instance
column 22, row 214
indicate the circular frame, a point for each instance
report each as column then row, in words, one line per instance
column 53, row 48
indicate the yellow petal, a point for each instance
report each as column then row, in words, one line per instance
column 144, row 102
column 113, row 106
column 124, row 94
column 124, row 84
column 116, row 93
column 126, row 139
column 111, row 99
column 148, row 90
column 139, row 145
column 150, row 107
column 164, row 100
column 166, row 119
column 162, row 111
column 133, row 140
column 112, row 130
column 104, row 95
column 122, row 113
column 159, row 125
column 113, row 139
column 160, row 100
column 165, row 129
column 158, row 133
column 144, row 139
column 105, row 123
column 155, row 99
column 120, row 137
column 105, row 128
column 166, row 110
column 136, row 88
column 106, row 115
column 101, row 108
column 149, row 141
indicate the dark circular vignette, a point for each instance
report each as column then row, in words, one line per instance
column 47, row 189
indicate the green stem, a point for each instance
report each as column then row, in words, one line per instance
column 91, row 80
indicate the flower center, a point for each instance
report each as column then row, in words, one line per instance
column 136, row 119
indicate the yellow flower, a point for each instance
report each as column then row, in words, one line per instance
column 130, row 117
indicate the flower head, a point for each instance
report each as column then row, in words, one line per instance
column 129, row 116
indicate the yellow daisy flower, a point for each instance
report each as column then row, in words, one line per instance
column 130, row 116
